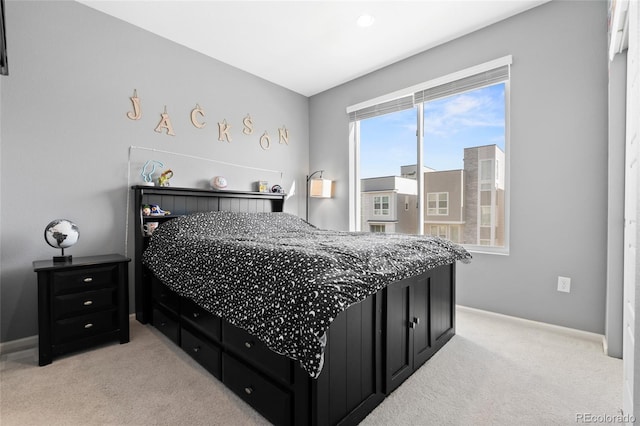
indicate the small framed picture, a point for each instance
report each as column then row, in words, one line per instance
column 263, row 186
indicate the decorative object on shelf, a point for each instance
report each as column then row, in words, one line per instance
column 149, row 227
column 263, row 186
column 197, row 111
column 218, row 182
column 154, row 210
column 318, row 187
column 147, row 174
column 163, row 180
column 223, row 131
column 136, row 113
column 277, row 189
column 62, row 234
column 165, row 123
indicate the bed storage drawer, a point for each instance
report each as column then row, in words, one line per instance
column 257, row 353
column 199, row 319
column 268, row 399
column 169, row 326
column 207, row 354
column 165, row 297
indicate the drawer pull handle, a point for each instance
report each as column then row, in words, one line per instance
column 196, row 349
column 88, row 303
column 248, row 390
column 88, row 325
column 248, row 345
column 196, row 314
column 88, row 280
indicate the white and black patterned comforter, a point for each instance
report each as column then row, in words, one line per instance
column 282, row 279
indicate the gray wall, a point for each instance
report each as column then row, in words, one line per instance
column 65, row 136
column 558, row 157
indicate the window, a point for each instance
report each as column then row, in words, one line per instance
column 381, row 205
column 376, row 228
column 438, row 204
column 439, row 231
column 456, row 165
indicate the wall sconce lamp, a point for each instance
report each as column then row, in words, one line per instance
column 317, row 188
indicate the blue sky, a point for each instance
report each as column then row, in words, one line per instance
column 473, row 118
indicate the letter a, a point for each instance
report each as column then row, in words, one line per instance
column 165, row 123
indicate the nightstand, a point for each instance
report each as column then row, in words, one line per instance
column 81, row 303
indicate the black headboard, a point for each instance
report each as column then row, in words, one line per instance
column 180, row 202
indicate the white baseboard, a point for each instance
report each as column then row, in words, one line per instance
column 19, row 345
column 586, row 335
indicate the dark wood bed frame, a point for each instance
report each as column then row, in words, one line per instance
column 372, row 347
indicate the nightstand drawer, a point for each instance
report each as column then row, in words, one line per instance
column 84, row 326
column 81, row 279
column 84, row 303
column 268, row 399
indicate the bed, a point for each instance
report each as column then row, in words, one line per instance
column 308, row 326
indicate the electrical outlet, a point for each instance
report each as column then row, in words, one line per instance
column 564, row 284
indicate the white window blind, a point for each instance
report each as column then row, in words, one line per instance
column 388, row 107
column 476, row 81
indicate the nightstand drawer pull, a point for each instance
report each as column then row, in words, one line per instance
column 88, row 280
column 196, row 349
column 248, row 345
column 88, row 303
column 88, row 325
column 248, row 390
column 196, row 314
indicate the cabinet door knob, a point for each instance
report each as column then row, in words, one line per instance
column 248, row 345
column 196, row 314
column 88, row 325
column 248, row 390
column 196, row 349
column 88, row 302
column 88, row 279
column 416, row 320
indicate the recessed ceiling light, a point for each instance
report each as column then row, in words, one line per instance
column 365, row 20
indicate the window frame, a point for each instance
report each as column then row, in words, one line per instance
column 381, row 211
column 438, row 200
column 354, row 147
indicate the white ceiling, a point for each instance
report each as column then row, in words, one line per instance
column 310, row 46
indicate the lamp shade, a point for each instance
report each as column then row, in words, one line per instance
column 320, row 188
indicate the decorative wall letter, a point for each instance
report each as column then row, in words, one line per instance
column 194, row 112
column 248, row 125
column 165, row 123
column 284, row 135
column 265, row 141
column 223, row 131
column 136, row 113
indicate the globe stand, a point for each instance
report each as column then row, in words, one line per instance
column 62, row 258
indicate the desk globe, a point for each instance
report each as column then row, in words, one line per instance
column 62, row 234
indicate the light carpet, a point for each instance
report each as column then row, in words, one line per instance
column 495, row 371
